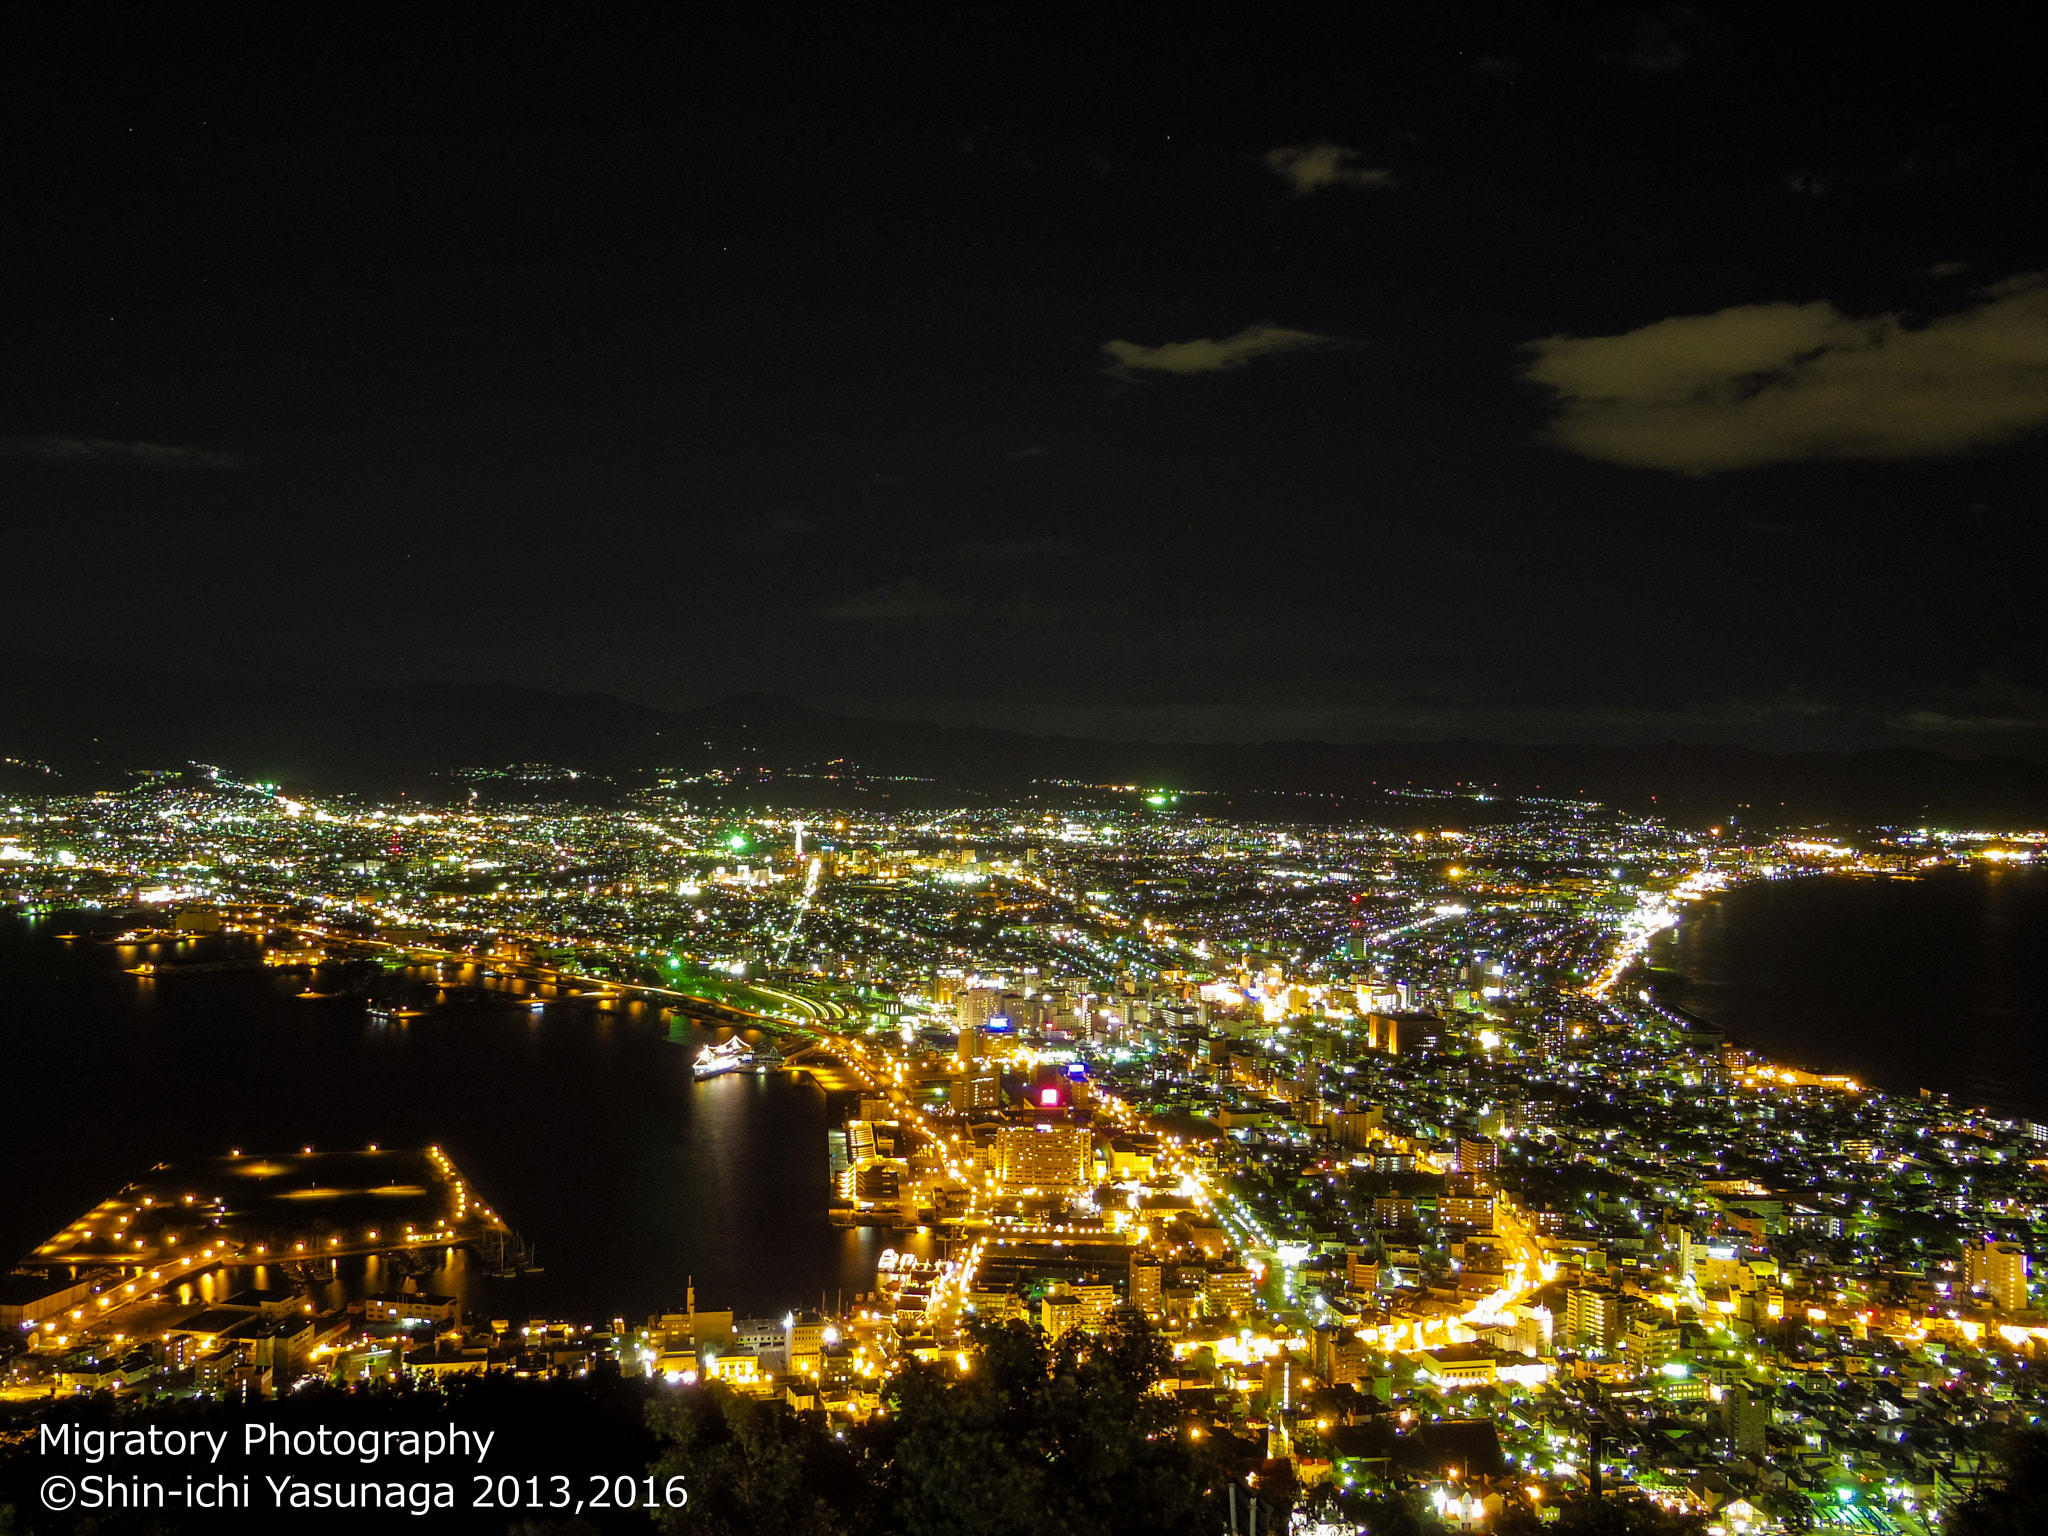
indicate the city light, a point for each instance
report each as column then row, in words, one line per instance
column 1327, row 1120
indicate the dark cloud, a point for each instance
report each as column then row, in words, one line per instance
column 1312, row 167
column 1939, row 721
column 774, row 533
column 1931, row 167
column 1204, row 355
column 103, row 450
column 1811, row 183
column 899, row 602
column 1011, row 551
column 1662, row 41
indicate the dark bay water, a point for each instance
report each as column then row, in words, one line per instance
column 583, row 1130
column 1933, row 983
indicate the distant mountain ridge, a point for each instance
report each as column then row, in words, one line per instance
column 91, row 721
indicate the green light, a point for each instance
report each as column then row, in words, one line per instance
column 1155, row 799
column 736, row 842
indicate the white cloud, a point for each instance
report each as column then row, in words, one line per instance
column 1203, row 355
column 103, row 450
column 1312, row 167
column 1771, row 383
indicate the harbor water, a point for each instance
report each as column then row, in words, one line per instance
column 584, row 1128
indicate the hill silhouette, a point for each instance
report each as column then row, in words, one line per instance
column 93, row 722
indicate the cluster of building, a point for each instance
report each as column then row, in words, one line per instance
column 1381, row 1121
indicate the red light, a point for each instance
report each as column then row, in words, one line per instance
column 1049, row 1098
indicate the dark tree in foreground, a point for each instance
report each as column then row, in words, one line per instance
column 756, row 1468
column 1065, row 1439
column 2017, row 1504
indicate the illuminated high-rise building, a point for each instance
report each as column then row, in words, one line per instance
column 1147, row 1283
column 2000, row 1270
column 1059, row 1310
column 1051, row 1159
column 1477, row 1154
column 975, row 1090
column 1361, row 1268
column 1746, row 1413
column 1228, row 1291
column 1592, row 1318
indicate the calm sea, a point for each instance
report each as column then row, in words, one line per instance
column 583, row 1130
column 1931, row 983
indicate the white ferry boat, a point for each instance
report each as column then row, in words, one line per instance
column 717, row 1060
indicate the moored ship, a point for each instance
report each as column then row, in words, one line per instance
column 727, row 1056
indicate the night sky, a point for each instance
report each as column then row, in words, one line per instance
column 1560, row 373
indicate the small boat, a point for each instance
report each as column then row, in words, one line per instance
column 505, row 1254
column 196, row 967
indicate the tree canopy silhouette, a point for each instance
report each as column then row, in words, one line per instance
column 2016, row 1503
column 1035, row 1436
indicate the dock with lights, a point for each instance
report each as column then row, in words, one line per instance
column 274, row 1208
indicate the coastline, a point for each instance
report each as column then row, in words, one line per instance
column 1867, row 974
